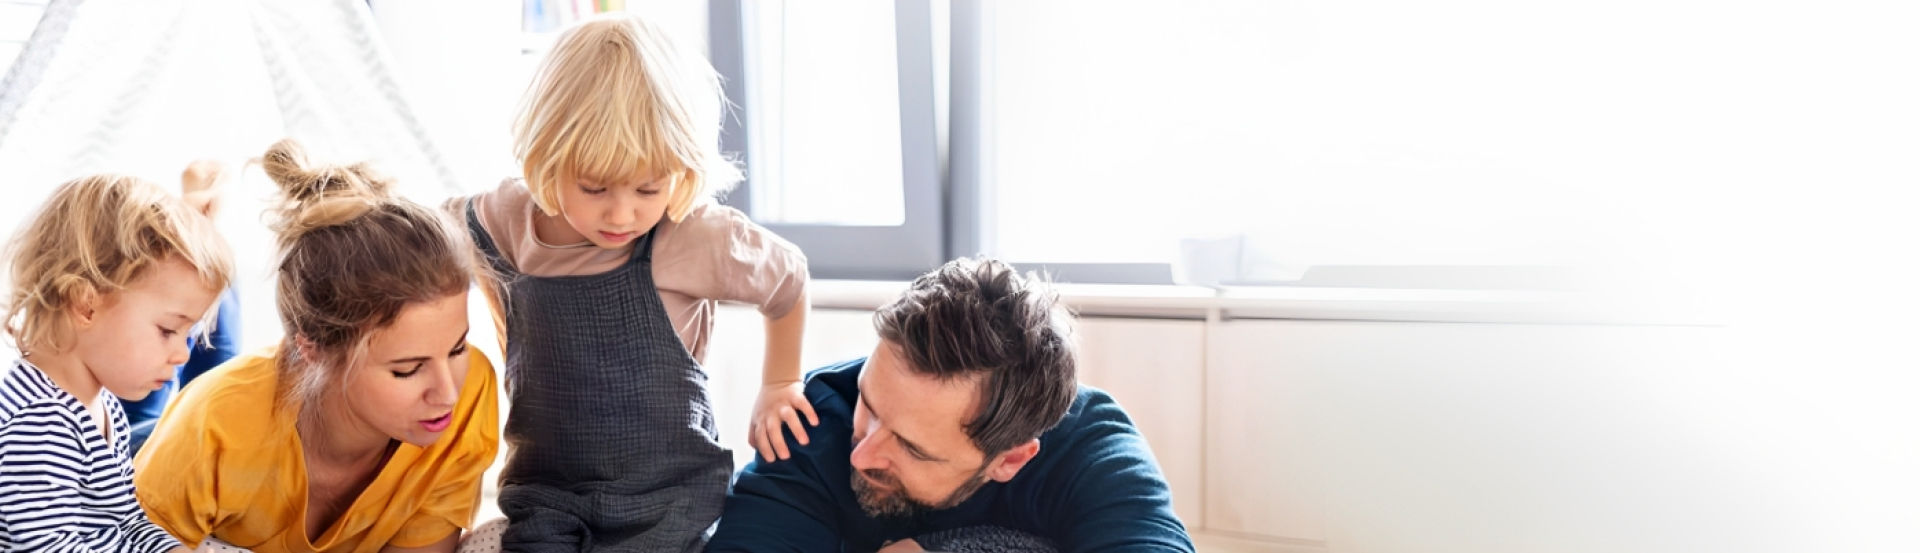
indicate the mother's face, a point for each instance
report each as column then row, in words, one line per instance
column 410, row 378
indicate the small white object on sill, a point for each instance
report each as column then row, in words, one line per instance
column 1231, row 259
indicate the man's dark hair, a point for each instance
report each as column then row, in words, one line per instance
column 978, row 317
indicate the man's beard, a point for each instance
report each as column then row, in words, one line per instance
column 889, row 499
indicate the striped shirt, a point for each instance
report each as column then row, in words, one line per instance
column 62, row 487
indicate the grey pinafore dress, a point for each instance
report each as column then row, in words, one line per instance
column 611, row 437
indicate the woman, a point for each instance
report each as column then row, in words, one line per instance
column 368, row 428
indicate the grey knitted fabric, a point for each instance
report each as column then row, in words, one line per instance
column 984, row 539
column 611, row 437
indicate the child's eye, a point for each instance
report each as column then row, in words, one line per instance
column 457, row 351
column 646, row 192
column 408, row 372
column 168, row 332
column 591, row 191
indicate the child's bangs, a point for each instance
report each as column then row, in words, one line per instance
column 619, row 154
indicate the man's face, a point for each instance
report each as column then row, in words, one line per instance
column 911, row 452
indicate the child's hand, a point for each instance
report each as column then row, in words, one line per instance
column 779, row 402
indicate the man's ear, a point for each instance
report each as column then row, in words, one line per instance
column 1009, row 462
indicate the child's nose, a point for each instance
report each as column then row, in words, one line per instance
column 624, row 212
column 178, row 351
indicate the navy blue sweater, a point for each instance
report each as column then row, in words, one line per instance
column 1093, row 487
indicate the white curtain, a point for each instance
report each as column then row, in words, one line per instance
column 143, row 86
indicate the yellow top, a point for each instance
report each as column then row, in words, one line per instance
column 224, row 462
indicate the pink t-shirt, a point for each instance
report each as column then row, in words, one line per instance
column 714, row 254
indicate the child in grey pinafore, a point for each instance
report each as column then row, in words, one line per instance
column 610, row 433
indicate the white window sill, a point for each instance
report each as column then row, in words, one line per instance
column 1319, row 303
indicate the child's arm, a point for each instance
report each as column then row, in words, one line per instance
column 44, row 470
column 31, row 497
column 716, row 253
column 782, row 393
column 139, row 535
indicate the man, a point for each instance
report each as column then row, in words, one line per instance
column 965, row 429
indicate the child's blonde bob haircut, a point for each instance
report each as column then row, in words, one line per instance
column 92, row 238
column 618, row 100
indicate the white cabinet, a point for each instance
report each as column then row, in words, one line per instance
column 1262, row 475
column 1154, row 368
column 1385, row 437
column 1326, row 436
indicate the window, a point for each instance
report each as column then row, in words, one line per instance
column 1094, row 137
column 1331, row 134
column 837, row 109
column 826, row 113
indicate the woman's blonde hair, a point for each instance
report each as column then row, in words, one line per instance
column 352, row 256
column 617, row 100
column 92, row 238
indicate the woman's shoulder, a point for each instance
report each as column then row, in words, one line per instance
column 480, row 396
column 240, row 379
column 238, row 398
column 481, row 380
column 226, row 422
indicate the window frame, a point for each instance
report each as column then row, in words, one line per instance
column 946, row 112
column 851, row 251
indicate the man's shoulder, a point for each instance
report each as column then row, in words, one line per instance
column 1093, row 409
column 1111, row 490
column 835, row 386
column 832, row 390
column 799, row 500
column 1095, row 430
